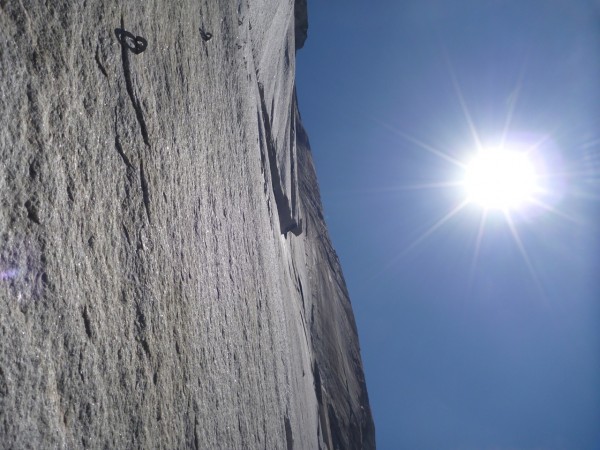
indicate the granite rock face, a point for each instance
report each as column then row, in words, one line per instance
column 166, row 275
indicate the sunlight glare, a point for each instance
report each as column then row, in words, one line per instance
column 499, row 178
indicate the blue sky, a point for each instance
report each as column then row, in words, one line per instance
column 467, row 342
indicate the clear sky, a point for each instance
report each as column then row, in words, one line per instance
column 478, row 331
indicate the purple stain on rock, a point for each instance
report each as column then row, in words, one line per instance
column 8, row 274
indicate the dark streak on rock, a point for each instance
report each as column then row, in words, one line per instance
column 140, row 323
column 288, row 433
column 300, row 23
column 140, row 319
column 196, row 438
column 123, row 293
column 206, row 36
column 126, row 233
column 335, row 429
column 129, row 84
column 100, row 66
column 146, row 347
column 34, row 169
column 318, row 386
column 129, row 167
column 3, row 384
column 145, row 191
column 71, row 190
column 122, row 153
column 86, row 322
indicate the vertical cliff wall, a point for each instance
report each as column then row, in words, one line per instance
column 166, row 276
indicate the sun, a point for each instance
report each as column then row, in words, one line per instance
column 511, row 177
column 500, row 179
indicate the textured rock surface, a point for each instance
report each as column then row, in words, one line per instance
column 166, row 276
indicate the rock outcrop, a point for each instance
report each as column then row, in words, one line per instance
column 166, row 275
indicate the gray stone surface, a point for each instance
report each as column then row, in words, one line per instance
column 166, row 276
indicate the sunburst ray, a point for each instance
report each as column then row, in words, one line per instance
column 478, row 240
column 461, row 100
column 526, row 259
column 439, row 153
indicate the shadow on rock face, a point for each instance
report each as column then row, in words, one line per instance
column 300, row 23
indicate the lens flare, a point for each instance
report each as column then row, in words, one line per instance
column 8, row 274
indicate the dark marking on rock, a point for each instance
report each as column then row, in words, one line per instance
column 124, row 38
column 286, row 57
column 86, row 322
column 318, row 386
column 337, row 438
column 3, row 384
column 136, row 44
column 140, row 324
column 32, row 211
column 206, row 36
column 34, row 169
column 301, row 293
column 80, row 366
column 122, row 153
column 71, row 190
column 289, row 439
column 146, row 347
column 145, row 191
column 126, row 234
column 98, row 63
column 130, row 170
column 300, row 23
column 34, row 110
column 196, row 437
column 140, row 318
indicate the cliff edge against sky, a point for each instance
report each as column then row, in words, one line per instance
column 166, row 275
